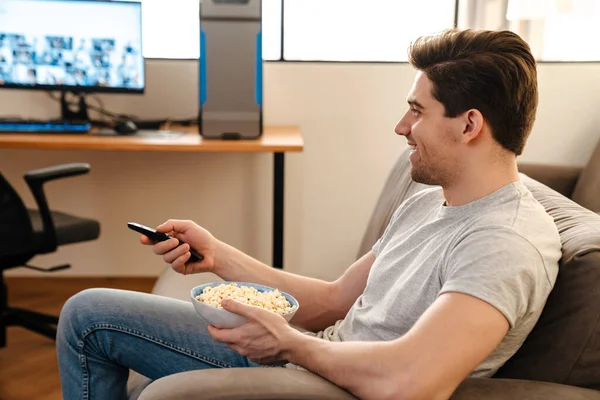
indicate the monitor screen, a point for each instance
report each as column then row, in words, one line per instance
column 80, row 46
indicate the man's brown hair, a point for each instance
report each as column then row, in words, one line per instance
column 491, row 71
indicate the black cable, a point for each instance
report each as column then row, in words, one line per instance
column 121, row 117
column 100, row 110
column 100, row 103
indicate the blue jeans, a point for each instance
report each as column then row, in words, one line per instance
column 103, row 333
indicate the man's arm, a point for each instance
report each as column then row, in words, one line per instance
column 450, row 340
column 321, row 303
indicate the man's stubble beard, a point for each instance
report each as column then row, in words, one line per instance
column 434, row 175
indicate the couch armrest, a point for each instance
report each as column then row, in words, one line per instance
column 560, row 178
column 510, row 389
column 286, row 384
column 244, row 383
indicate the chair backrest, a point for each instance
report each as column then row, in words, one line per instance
column 16, row 233
column 587, row 189
column 564, row 346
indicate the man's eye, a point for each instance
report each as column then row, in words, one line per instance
column 415, row 111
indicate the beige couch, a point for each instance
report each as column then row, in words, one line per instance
column 559, row 360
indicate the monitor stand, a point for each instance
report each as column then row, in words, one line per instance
column 68, row 113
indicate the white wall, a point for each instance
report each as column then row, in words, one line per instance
column 346, row 113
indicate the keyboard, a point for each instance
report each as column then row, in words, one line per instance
column 43, row 126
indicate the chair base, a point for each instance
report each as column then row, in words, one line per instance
column 40, row 323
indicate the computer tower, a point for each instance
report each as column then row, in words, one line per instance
column 231, row 68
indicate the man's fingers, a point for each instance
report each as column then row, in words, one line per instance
column 223, row 335
column 179, row 265
column 173, row 225
column 145, row 240
column 166, row 227
column 238, row 349
column 239, row 308
column 170, row 256
column 164, row 247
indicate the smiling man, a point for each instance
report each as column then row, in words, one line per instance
column 452, row 288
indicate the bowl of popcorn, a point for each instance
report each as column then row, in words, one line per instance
column 207, row 301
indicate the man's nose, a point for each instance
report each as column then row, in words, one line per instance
column 402, row 128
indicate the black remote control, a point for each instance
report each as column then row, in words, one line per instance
column 160, row 236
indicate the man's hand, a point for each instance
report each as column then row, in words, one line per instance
column 193, row 235
column 265, row 338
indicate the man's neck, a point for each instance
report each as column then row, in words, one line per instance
column 477, row 181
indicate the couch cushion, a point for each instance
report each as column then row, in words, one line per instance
column 177, row 286
column 588, row 186
column 564, row 346
column 398, row 187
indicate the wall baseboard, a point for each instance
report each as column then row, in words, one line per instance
column 27, row 289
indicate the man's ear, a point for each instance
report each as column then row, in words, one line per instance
column 473, row 124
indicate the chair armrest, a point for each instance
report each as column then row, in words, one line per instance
column 560, row 178
column 244, row 384
column 35, row 180
column 39, row 176
column 510, row 389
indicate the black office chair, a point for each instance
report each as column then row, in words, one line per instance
column 25, row 233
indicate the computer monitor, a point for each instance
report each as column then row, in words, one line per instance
column 72, row 45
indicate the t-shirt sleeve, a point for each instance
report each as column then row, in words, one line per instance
column 499, row 267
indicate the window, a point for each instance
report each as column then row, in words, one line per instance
column 170, row 29
column 315, row 30
column 556, row 30
column 380, row 30
column 360, row 30
column 271, row 29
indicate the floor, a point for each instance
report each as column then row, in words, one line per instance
column 28, row 367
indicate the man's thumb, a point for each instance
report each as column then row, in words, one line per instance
column 171, row 225
column 236, row 307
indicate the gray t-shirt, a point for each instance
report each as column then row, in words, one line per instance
column 503, row 248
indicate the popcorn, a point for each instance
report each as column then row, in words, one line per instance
column 272, row 301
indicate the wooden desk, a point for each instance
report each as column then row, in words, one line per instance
column 275, row 139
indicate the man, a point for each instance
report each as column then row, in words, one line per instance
column 451, row 289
